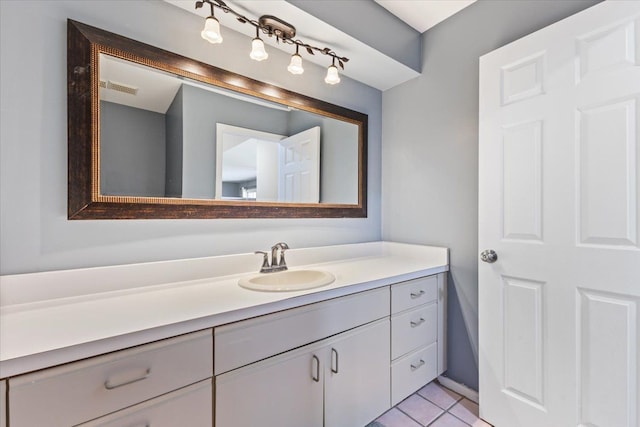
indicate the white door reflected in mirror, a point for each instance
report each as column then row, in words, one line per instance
column 266, row 167
column 299, row 167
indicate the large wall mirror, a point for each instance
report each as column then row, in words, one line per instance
column 153, row 134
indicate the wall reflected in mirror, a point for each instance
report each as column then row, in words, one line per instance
column 163, row 135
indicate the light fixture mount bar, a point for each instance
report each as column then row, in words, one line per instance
column 274, row 26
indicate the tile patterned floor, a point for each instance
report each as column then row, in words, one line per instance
column 434, row 406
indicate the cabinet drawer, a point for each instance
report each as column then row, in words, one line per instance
column 190, row 406
column 413, row 371
column 248, row 341
column 413, row 293
column 413, row 329
column 81, row 391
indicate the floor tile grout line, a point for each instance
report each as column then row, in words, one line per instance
column 434, row 404
column 444, row 409
column 458, row 418
column 419, row 423
column 437, row 418
column 477, row 416
column 447, row 412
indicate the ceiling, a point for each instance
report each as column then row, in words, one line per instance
column 155, row 89
column 371, row 64
column 424, row 14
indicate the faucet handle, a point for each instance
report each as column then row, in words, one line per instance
column 265, row 258
column 274, row 250
column 282, row 262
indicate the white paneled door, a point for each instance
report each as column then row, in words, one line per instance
column 299, row 167
column 559, row 206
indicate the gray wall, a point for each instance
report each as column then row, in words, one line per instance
column 202, row 111
column 173, row 178
column 338, row 155
column 132, row 151
column 35, row 233
column 234, row 189
column 430, row 152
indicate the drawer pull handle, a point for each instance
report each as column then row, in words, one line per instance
column 417, row 365
column 417, row 322
column 334, row 351
column 110, row 386
column 316, row 378
column 415, row 295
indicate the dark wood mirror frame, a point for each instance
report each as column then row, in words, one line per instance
column 85, row 43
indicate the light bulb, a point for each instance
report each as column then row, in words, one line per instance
column 211, row 31
column 257, row 50
column 332, row 75
column 295, row 66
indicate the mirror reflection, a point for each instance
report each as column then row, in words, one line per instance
column 266, row 166
column 163, row 135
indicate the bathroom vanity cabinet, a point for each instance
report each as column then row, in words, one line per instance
column 342, row 380
column 332, row 357
column 340, row 362
column 354, row 376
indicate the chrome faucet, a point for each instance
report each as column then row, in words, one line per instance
column 277, row 264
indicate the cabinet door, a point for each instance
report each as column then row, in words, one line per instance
column 357, row 377
column 283, row 391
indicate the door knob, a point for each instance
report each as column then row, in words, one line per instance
column 489, row 256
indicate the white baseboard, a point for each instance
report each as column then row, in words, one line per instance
column 459, row 388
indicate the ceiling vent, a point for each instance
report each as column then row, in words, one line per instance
column 119, row 87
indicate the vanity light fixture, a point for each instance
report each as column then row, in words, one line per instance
column 211, row 31
column 332, row 74
column 273, row 27
column 295, row 66
column 258, row 52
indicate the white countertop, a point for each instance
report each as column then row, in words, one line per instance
column 56, row 317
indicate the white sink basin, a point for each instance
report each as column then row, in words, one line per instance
column 290, row 280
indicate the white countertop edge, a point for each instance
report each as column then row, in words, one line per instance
column 48, row 285
column 23, row 363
